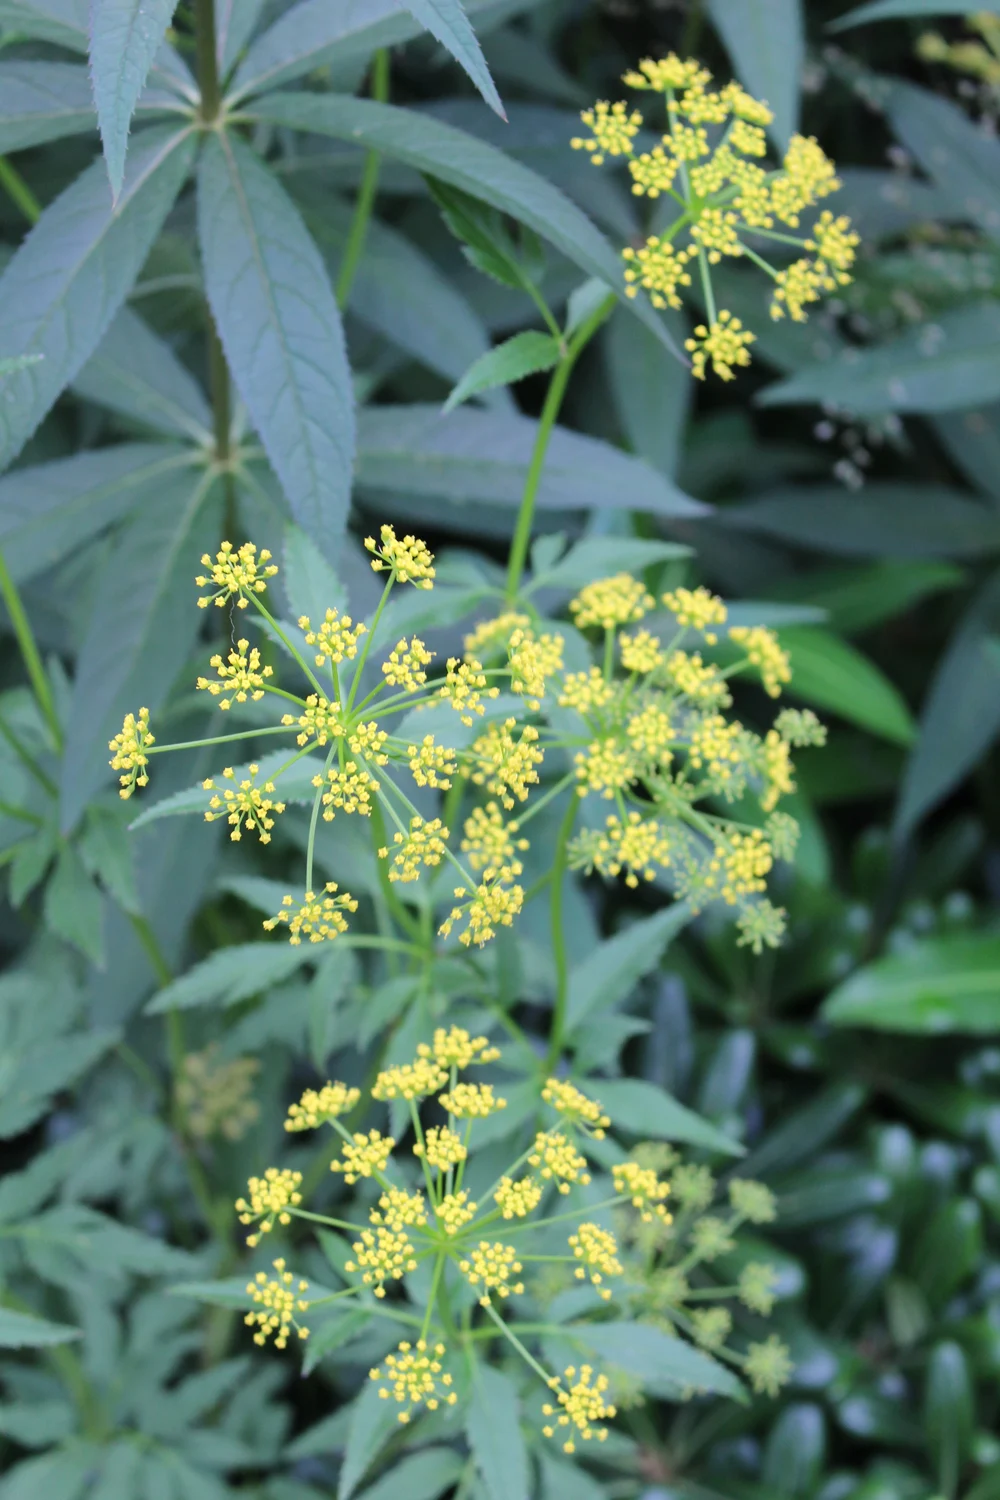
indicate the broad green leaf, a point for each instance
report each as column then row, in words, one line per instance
column 119, row 1472
column 652, row 392
column 493, row 1428
column 37, row 1424
column 602, row 556
column 473, row 456
column 766, row 41
column 891, row 10
column 275, row 311
column 235, row 23
column 949, row 1413
column 523, row 354
column 294, row 786
column 962, row 159
column 644, row 1109
column 20, row 1330
column 941, row 984
column 447, row 22
column 48, row 510
column 63, row 22
column 830, row 674
column 310, row 584
column 858, row 597
column 141, row 629
column 230, row 975
column 73, row 907
column 125, row 36
column 136, row 373
column 883, row 519
column 372, row 1422
column 72, row 273
column 610, row 973
column 663, row 1364
column 42, row 101
column 972, row 439
column 562, row 1479
column 961, row 715
column 64, row 1474
column 940, row 366
column 430, row 146
column 420, row 1476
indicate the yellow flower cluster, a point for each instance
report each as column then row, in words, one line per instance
column 710, row 161
column 441, row 1148
column 244, row 805
column 494, row 903
column 465, row 687
column 575, row 1105
column 581, row 1405
column 455, row 1211
column 279, row 1300
column 472, row 1101
column 405, row 666
column 505, row 766
column 129, row 757
column 236, row 573
column 557, row 1160
column 493, row 1267
column 490, row 842
column 516, row 1200
column 455, row 1048
column 643, row 1188
column 410, row 1080
column 597, row 1251
column 319, row 721
column 241, row 676
column 318, row 1106
column 414, row 1377
column 406, row 558
column 318, row 918
column 364, row 1156
column 336, row 638
column 346, row 787
column 271, row 1196
column 423, row 845
column 382, row 1255
column 609, row 602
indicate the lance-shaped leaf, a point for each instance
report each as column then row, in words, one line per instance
column 44, row 101
column 141, row 631
column 892, row 10
column 136, row 373
column 962, row 159
column 446, row 20
column 49, row 509
column 70, row 276
column 235, row 21
column 125, row 36
column 63, row 22
column 493, row 1428
column 276, row 314
column 469, row 164
column 525, row 353
column 766, row 41
column 20, row 1330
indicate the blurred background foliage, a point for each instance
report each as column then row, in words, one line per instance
column 854, row 480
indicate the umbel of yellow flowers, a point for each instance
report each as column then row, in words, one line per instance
column 710, row 164
column 644, row 728
column 482, row 1253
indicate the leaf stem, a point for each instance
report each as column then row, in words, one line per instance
column 40, row 685
column 366, row 193
column 206, row 61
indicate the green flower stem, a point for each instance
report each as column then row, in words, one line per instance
column 369, row 187
column 573, row 1213
column 314, row 817
column 303, row 1213
column 37, row 676
column 547, row 421
column 452, row 860
column 432, row 1295
column 349, row 1291
column 366, row 648
column 19, row 192
column 706, row 286
column 758, row 260
column 296, row 655
column 512, row 1338
column 206, row 66
column 405, row 919
column 221, row 739
column 418, row 1132
column 558, row 935
column 544, row 800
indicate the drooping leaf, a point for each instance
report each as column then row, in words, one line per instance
column 447, row 21
column 230, row 975
column 140, row 631
column 74, row 270
column 493, row 1428
column 940, row 366
column 643, row 1109
column 960, row 158
column 471, row 456
column 294, row 786
column 469, row 164
column 828, row 673
column 42, row 101
column 46, row 511
column 961, row 715
column 884, row 519
column 614, row 968
column 766, row 41
column 891, row 10
column 275, row 311
column 125, row 36
column 939, row 985
column 522, row 354
column 20, row 1330
column 665, row 1365
column 136, row 373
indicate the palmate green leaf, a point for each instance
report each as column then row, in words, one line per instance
column 766, row 41
column 473, row 456
column 829, row 674
column 71, row 274
column 469, row 164
column 274, row 308
column 961, row 715
column 645, row 1110
column 141, row 629
column 125, row 36
column 939, row 985
column 665, row 1365
column 48, row 510
column 447, row 21
column 960, row 158
column 230, row 975
column 295, row 786
column 940, row 366
column 610, row 973
column 136, row 373
column 891, row 10
column 20, row 1330
column 523, row 354
column 493, row 1428
column 420, row 1476
column 886, row 518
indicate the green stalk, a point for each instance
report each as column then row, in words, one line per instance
column 366, row 194
column 19, row 192
column 40, row 685
column 547, row 421
column 558, row 936
column 206, row 65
